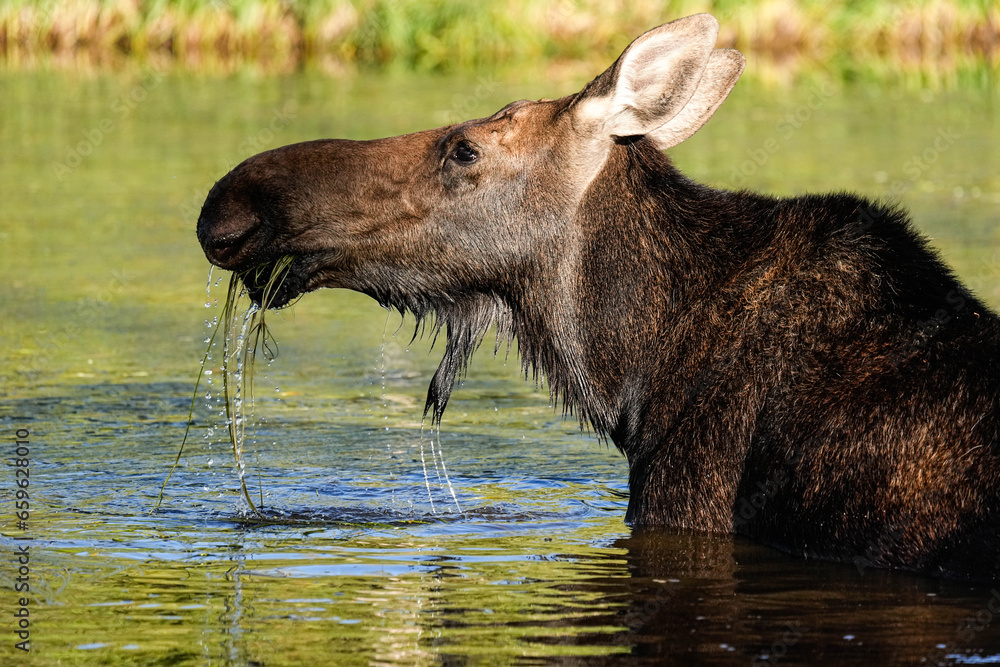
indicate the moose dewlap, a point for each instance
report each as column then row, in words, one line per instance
column 803, row 371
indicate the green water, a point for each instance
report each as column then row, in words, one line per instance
column 501, row 542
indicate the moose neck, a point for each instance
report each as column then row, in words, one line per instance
column 597, row 319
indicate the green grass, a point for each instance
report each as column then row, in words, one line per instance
column 854, row 38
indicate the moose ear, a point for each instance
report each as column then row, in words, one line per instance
column 666, row 84
column 720, row 75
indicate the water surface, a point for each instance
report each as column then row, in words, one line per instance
column 499, row 540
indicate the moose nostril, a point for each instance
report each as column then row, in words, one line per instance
column 223, row 249
column 229, row 240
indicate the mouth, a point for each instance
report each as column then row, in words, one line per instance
column 275, row 283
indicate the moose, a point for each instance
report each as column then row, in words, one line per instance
column 802, row 371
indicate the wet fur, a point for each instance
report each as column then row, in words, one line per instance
column 819, row 325
column 802, row 371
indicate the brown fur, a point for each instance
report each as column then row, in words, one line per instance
column 803, row 371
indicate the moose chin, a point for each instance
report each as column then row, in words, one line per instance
column 805, row 372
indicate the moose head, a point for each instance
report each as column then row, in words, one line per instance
column 481, row 222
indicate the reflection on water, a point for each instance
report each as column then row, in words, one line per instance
column 350, row 566
column 363, row 555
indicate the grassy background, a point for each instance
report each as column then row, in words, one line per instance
column 852, row 38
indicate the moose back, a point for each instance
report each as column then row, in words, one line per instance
column 802, row 371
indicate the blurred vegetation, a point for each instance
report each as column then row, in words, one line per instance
column 852, row 38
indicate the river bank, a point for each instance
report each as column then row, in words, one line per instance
column 928, row 39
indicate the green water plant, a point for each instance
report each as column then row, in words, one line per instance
column 244, row 333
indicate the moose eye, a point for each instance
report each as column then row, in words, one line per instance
column 464, row 153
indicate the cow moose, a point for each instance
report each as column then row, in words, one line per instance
column 802, row 371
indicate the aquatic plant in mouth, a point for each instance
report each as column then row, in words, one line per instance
column 244, row 333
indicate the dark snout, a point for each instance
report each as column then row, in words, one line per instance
column 231, row 227
column 249, row 218
column 319, row 202
column 256, row 212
